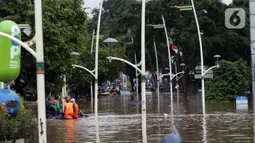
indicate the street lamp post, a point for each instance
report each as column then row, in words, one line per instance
column 144, row 128
column 142, row 71
column 201, row 55
column 136, row 79
column 156, row 55
column 91, row 86
column 40, row 75
column 110, row 41
column 136, row 72
column 157, row 26
column 170, row 65
column 63, row 92
column 203, row 72
column 172, row 76
column 40, row 83
column 39, row 55
column 96, row 70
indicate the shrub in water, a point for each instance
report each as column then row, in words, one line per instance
column 231, row 80
column 21, row 126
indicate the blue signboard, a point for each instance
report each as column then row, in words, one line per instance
column 10, row 101
column 241, row 102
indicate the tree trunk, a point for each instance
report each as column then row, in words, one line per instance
column 18, row 85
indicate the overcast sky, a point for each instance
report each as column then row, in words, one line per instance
column 95, row 3
column 92, row 4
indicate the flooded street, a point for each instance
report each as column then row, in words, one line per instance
column 120, row 121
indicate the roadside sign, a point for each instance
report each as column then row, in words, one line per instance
column 242, row 102
column 208, row 75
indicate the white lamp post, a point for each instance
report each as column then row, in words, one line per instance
column 110, row 41
column 156, row 56
column 203, row 72
column 42, row 131
column 172, row 76
column 40, row 76
column 142, row 71
column 136, row 80
column 91, row 86
column 177, row 79
column 63, row 92
column 157, row 26
column 170, row 66
column 96, row 70
column 136, row 72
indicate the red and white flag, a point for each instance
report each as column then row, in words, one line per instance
column 177, row 50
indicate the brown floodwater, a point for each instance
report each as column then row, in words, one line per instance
column 120, row 122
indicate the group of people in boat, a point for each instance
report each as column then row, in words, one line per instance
column 71, row 109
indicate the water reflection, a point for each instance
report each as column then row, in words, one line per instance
column 120, row 121
column 204, row 128
column 72, row 131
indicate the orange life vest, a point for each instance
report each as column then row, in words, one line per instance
column 69, row 111
column 76, row 110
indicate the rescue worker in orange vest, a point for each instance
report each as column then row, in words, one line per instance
column 69, row 110
column 76, row 108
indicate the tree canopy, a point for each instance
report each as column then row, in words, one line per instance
column 67, row 29
column 231, row 80
column 122, row 17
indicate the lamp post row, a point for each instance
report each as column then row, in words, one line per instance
column 40, row 63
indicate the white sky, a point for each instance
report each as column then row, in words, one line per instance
column 92, row 4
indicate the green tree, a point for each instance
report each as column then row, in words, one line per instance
column 64, row 31
column 231, row 80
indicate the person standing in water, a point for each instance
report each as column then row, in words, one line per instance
column 56, row 106
column 75, row 108
column 68, row 110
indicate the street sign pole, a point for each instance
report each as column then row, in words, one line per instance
column 40, row 73
column 252, row 40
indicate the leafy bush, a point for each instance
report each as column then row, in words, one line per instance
column 231, row 80
column 21, row 126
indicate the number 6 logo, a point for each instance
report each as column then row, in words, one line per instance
column 235, row 18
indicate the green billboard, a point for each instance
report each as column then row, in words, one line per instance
column 9, row 52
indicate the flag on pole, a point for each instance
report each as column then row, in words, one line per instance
column 175, row 49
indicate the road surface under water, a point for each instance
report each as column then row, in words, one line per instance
column 120, row 122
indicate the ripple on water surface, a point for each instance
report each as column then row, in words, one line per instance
column 121, row 122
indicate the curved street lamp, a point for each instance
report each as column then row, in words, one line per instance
column 156, row 26
column 110, row 41
column 75, row 54
column 142, row 71
column 39, row 55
